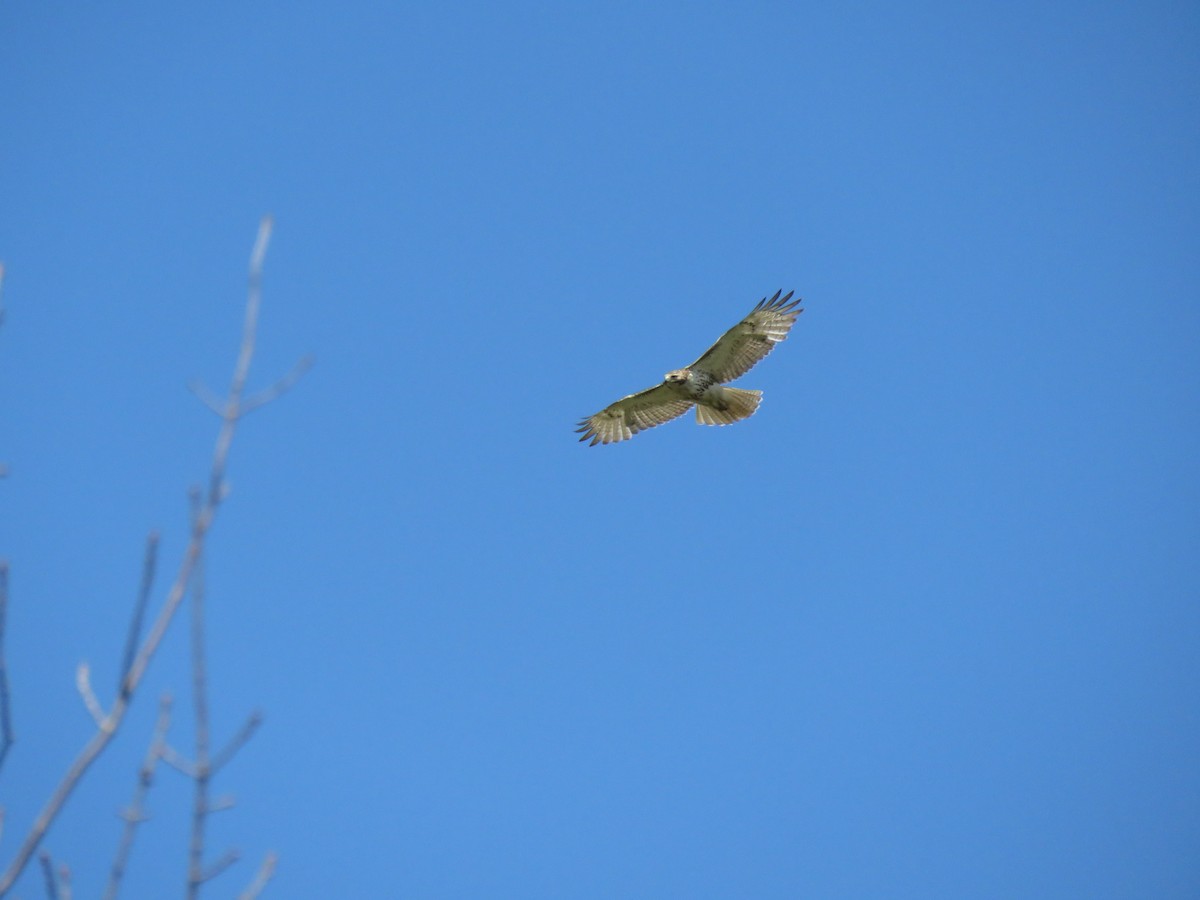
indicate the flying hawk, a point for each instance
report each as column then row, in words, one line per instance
column 732, row 356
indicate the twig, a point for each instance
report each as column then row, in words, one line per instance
column 205, row 396
column 203, row 771
column 236, row 742
column 3, row 467
column 48, row 874
column 206, row 766
column 149, row 563
column 228, row 858
column 6, row 732
column 137, row 670
column 64, row 882
column 203, row 768
column 222, row 803
column 265, row 871
column 176, row 761
column 134, row 815
column 279, row 388
column 83, row 681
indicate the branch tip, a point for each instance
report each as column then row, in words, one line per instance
column 265, row 871
column 265, row 226
column 222, row 758
column 206, row 396
column 228, row 858
column 83, row 683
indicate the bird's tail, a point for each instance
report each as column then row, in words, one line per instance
column 739, row 404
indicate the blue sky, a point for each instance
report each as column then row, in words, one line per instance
column 926, row 625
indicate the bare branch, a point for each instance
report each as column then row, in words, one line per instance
column 206, row 767
column 282, row 386
column 149, row 563
column 205, row 396
column 83, row 681
column 64, row 882
column 237, row 742
column 3, row 467
column 203, row 771
column 200, row 528
column 6, row 732
column 228, row 858
column 265, row 226
column 222, row 803
column 177, row 761
column 134, row 814
column 265, row 871
column 48, row 874
column 241, row 369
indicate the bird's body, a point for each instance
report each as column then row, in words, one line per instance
column 694, row 384
column 702, row 384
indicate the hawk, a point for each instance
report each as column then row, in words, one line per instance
column 700, row 384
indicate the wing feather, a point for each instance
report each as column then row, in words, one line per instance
column 739, row 349
column 629, row 415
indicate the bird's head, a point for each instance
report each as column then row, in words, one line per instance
column 679, row 376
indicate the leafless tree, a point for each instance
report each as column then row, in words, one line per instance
column 139, row 651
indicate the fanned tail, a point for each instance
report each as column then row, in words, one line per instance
column 739, row 404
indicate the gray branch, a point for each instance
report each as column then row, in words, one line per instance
column 6, row 731
column 149, row 563
column 135, row 814
column 199, row 531
column 265, row 871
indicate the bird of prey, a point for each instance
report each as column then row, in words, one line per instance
column 700, row 384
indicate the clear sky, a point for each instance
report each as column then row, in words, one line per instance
column 927, row 625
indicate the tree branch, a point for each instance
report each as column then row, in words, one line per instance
column 279, row 388
column 48, row 874
column 64, row 882
column 206, row 766
column 221, row 803
column 202, row 771
column 134, row 814
column 228, row 858
column 6, row 732
column 199, row 531
column 3, row 467
column 83, row 681
column 265, row 871
column 205, row 396
column 149, row 563
column 178, row 761
column 237, row 742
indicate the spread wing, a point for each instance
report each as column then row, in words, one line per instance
column 629, row 415
column 743, row 345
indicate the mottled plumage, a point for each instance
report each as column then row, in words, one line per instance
column 700, row 384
